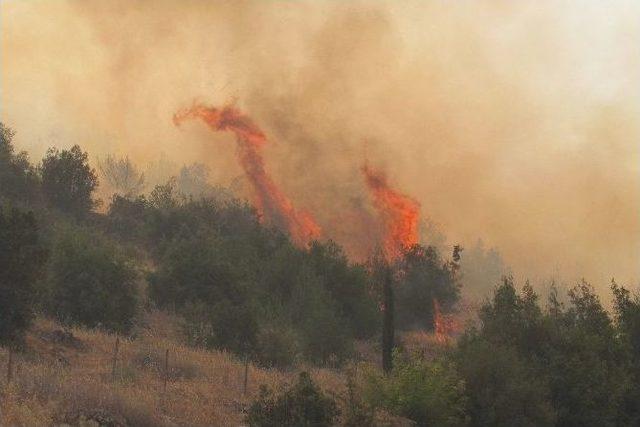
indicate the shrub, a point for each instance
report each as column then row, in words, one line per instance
column 302, row 405
column 91, row 283
column 221, row 324
column 429, row 393
column 21, row 257
column 277, row 346
column 358, row 413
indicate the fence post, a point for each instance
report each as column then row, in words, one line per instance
column 10, row 365
column 115, row 358
column 166, row 370
column 246, row 374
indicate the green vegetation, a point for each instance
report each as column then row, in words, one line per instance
column 194, row 250
column 431, row 393
column 21, row 257
column 68, row 181
column 302, row 405
column 90, row 283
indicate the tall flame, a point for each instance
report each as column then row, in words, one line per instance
column 271, row 202
column 399, row 213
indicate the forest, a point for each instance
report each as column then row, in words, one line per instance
column 327, row 340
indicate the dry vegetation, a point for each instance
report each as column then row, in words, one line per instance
column 67, row 379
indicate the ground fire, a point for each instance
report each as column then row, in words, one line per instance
column 270, row 201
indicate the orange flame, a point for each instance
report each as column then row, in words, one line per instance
column 271, row 202
column 441, row 324
column 399, row 213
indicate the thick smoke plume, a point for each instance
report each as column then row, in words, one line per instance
column 270, row 200
column 515, row 122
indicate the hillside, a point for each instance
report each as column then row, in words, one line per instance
column 65, row 376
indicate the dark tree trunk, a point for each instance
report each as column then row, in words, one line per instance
column 388, row 327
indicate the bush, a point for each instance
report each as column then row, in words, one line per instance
column 221, row 324
column 277, row 347
column 21, row 257
column 302, row 405
column 358, row 413
column 429, row 393
column 90, row 283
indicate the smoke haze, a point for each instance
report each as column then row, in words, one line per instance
column 514, row 122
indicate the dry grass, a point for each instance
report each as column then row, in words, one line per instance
column 58, row 381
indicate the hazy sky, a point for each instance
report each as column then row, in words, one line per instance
column 514, row 122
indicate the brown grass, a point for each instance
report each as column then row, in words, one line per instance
column 58, row 382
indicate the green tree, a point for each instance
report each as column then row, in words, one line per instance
column 21, row 257
column 424, row 277
column 18, row 179
column 503, row 388
column 198, row 279
column 324, row 334
column 586, row 363
column 68, row 182
column 627, row 322
column 91, row 283
column 572, row 354
column 348, row 286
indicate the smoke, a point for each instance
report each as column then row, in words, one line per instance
column 513, row 122
column 270, row 201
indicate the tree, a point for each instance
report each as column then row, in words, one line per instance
column 193, row 180
column 627, row 321
column 503, row 388
column 21, row 257
column 197, row 278
column 91, row 283
column 122, row 175
column 348, row 286
column 571, row 354
column 68, row 181
column 586, row 363
column 18, row 179
column 423, row 277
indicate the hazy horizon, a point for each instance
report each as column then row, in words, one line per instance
column 514, row 123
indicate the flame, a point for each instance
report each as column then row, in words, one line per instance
column 441, row 324
column 399, row 213
column 270, row 201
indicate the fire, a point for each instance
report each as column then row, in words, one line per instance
column 442, row 324
column 270, row 201
column 399, row 213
